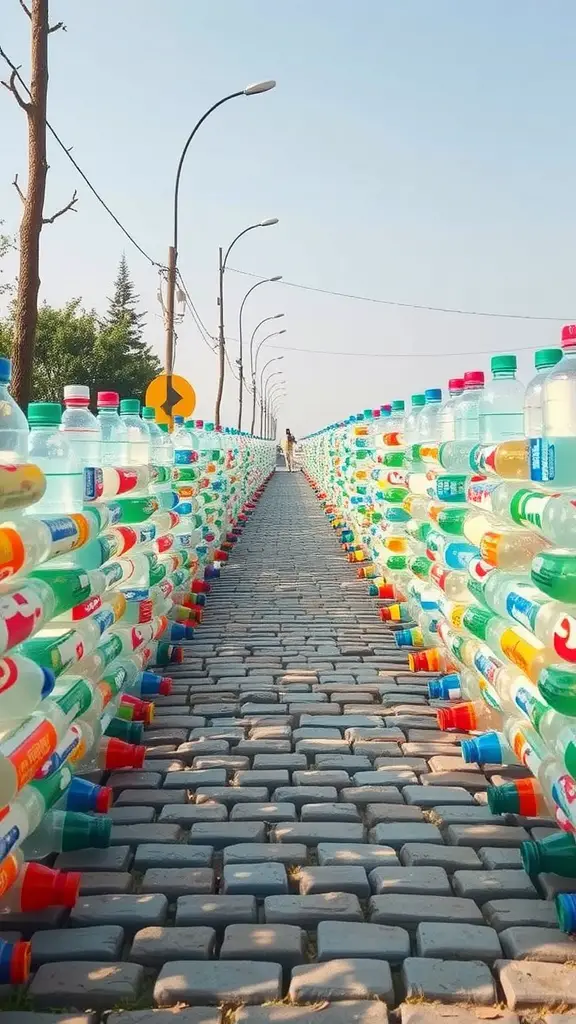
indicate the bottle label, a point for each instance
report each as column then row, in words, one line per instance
column 526, row 507
column 85, row 609
column 183, row 457
column 20, row 614
column 63, row 534
column 564, row 638
column 12, row 553
column 146, row 533
column 110, row 648
column 542, row 459
column 114, row 572
column 532, row 708
column 480, row 492
column 483, row 457
column 71, row 649
column 27, row 750
column 76, row 700
column 126, row 480
column 522, row 609
column 451, row 488
column 93, row 483
column 487, row 665
column 136, row 593
column 518, row 650
column 104, row 619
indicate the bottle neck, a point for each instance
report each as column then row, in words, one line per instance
column 504, row 374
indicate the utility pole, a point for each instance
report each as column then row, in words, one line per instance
column 221, row 340
column 169, row 353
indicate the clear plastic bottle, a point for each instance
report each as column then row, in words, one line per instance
column 501, row 408
column 157, row 445
column 449, row 409
column 429, row 418
column 13, row 424
column 544, row 360
column 466, row 412
column 553, row 456
column 49, row 449
column 113, row 429
column 139, row 441
column 411, row 428
column 80, row 426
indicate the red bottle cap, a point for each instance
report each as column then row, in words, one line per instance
column 108, row 399
column 386, row 592
column 385, row 614
column 165, row 687
column 103, row 801
column 119, row 754
column 200, row 587
column 43, row 887
column 473, row 377
column 462, row 717
column 456, row 384
column 569, row 336
column 20, row 963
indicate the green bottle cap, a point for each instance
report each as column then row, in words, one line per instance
column 82, row 831
column 130, row 732
column 451, row 520
column 555, row 853
column 557, row 684
column 421, row 566
column 503, row 364
column 554, row 572
column 397, row 563
column 164, row 428
column 393, row 459
column 398, row 405
column 418, row 401
column 503, row 799
column 148, row 412
column 547, row 357
column 130, row 405
column 44, row 414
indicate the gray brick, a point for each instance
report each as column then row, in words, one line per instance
column 218, row 981
column 546, row 945
column 300, row 795
column 278, row 853
column 339, row 940
column 330, row 812
column 187, row 814
column 408, row 911
column 448, row 981
column 428, row 1014
column 254, row 879
column 308, row 911
column 488, row 885
column 98, row 943
column 268, row 812
column 485, row 835
column 93, row 859
column 279, row 943
column 343, row 878
column 193, row 779
column 216, row 911
column 501, row 914
column 342, row 979
column 457, row 941
column 152, row 947
column 397, row 834
column 229, row 796
column 496, row 858
column 364, row 855
column 221, row 834
column 86, row 984
column 362, row 795
column 346, row 1012
column 313, row 832
column 528, row 984
column 376, row 814
column 413, row 881
column 134, row 835
column 94, row 883
column 130, row 912
column 131, row 815
column 167, row 855
column 174, row 882
column 451, row 858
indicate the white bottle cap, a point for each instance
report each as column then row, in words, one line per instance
column 76, row 391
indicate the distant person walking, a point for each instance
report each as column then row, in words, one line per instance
column 288, row 446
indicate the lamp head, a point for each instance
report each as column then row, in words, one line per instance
column 278, row 315
column 278, row 277
column 268, row 222
column 258, row 87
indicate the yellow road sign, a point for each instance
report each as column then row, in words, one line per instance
column 177, row 400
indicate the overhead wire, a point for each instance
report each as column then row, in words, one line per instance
column 402, row 355
column 14, row 68
column 403, row 305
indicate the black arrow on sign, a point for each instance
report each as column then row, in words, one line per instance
column 172, row 399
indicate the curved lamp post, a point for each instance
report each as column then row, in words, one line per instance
column 267, row 393
column 267, row 280
column 274, row 359
column 254, row 360
column 250, row 90
column 222, row 261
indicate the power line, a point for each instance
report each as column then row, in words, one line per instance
column 84, row 177
column 207, row 338
column 404, row 355
column 405, row 305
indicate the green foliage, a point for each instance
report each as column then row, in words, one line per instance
column 73, row 346
column 6, row 244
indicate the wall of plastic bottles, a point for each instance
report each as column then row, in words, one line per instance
column 110, row 530
column 461, row 507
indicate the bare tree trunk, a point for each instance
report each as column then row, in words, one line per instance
column 31, row 226
column 26, row 313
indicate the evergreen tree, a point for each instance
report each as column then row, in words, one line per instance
column 122, row 309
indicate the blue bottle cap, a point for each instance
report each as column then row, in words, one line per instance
column 48, row 683
column 5, row 370
column 433, row 394
column 484, row 749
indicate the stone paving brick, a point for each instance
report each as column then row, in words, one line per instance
column 430, row 880
column 488, row 885
column 343, row 878
column 85, row 984
column 99, row 943
column 219, row 981
column 342, row 979
column 345, row 1012
column 308, row 911
column 339, row 940
column 364, row 855
column 95, row 883
column 152, row 947
column 167, row 855
column 215, row 911
column 457, row 941
column 451, row 858
column 174, row 882
column 278, row 853
column 529, row 984
column 501, row 914
column 254, row 880
column 428, row 1014
column 543, row 944
column 279, row 943
column 93, row 859
column 448, row 981
column 408, row 911
column 129, row 911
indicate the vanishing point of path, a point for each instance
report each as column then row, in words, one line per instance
column 303, row 845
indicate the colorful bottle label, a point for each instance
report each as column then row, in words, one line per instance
column 93, row 484
column 521, row 607
column 20, row 616
column 564, row 638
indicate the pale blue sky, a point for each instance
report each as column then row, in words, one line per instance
column 417, row 150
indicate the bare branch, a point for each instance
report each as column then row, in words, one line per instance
column 25, row 8
column 69, row 206
column 58, row 25
column 11, row 86
column 18, row 189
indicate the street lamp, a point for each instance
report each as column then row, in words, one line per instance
column 267, row 280
column 250, row 90
column 274, row 359
column 265, row 393
column 222, row 261
column 277, row 393
column 254, row 359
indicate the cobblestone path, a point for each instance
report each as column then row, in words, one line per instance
column 303, row 845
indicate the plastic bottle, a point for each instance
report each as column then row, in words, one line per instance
column 157, row 446
column 467, row 412
column 30, row 540
column 544, row 360
column 554, row 573
column 138, row 433
column 80, row 426
column 29, row 807
column 114, row 431
column 553, row 456
column 62, row 831
column 448, row 412
column 23, row 684
column 13, row 424
column 429, row 420
column 501, row 408
column 38, row 887
column 49, row 449
column 411, row 428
